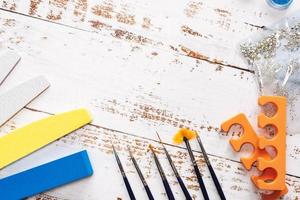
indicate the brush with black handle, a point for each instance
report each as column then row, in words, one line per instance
column 184, row 135
column 149, row 194
column 162, row 175
column 182, row 186
column 128, row 187
column 196, row 169
column 211, row 170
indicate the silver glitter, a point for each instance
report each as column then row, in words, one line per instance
column 265, row 48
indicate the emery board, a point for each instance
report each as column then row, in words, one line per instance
column 18, row 97
column 45, row 177
column 8, row 61
column 23, row 141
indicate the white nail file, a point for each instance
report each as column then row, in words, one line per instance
column 17, row 98
column 8, row 61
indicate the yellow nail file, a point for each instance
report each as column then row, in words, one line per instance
column 23, row 141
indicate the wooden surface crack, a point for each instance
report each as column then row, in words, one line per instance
column 130, row 36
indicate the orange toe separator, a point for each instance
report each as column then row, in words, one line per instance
column 278, row 142
column 274, row 170
column 248, row 136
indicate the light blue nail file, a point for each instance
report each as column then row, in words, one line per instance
column 46, row 177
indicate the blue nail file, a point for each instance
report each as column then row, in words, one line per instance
column 46, row 177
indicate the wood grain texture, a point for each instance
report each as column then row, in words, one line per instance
column 206, row 30
column 142, row 67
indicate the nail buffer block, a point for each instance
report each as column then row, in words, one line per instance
column 46, row 177
column 17, row 98
column 8, row 61
column 23, row 141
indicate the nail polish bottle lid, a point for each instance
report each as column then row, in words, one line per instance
column 280, row 4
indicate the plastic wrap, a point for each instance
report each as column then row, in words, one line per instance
column 274, row 55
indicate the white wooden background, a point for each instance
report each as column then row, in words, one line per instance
column 141, row 66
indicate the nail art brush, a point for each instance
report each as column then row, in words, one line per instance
column 149, row 194
column 162, row 175
column 211, row 170
column 128, row 187
column 183, row 136
column 181, row 183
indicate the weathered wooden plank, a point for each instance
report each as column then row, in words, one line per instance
column 207, row 30
column 97, row 140
column 134, row 88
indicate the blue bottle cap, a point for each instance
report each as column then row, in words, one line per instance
column 280, row 4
